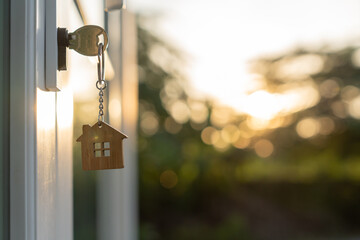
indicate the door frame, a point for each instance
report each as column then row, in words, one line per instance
column 117, row 190
column 40, row 196
column 23, row 119
column 27, row 73
column 5, row 119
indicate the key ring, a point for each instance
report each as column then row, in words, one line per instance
column 101, row 59
column 101, row 83
column 102, row 86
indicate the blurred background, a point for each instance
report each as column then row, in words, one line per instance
column 248, row 121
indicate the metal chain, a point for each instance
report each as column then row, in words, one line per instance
column 101, row 83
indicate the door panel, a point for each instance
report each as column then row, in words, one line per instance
column 54, row 164
column 46, row 165
column 54, row 148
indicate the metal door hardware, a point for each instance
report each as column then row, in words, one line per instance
column 84, row 40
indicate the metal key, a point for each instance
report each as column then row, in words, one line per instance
column 85, row 40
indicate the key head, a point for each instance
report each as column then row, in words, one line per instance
column 85, row 40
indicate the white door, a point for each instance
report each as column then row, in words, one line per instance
column 40, row 132
column 41, row 123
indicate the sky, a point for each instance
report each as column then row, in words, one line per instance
column 220, row 37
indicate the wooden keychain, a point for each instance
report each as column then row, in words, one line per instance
column 101, row 144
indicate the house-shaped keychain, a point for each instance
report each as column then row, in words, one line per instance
column 101, row 147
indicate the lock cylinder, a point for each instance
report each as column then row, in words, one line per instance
column 63, row 43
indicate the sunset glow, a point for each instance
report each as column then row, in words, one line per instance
column 219, row 67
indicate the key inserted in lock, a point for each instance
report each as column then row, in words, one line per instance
column 84, row 40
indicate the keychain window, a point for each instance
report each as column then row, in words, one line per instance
column 102, row 149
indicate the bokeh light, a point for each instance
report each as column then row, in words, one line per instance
column 329, row 88
column 230, row 133
column 354, row 107
column 206, row 135
column 308, row 127
column 242, row 143
column 149, row 123
column 199, row 112
column 262, row 105
column 298, row 67
column 180, row 111
column 263, row 148
column 327, row 125
column 168, row 179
